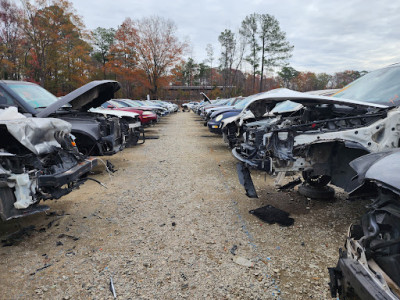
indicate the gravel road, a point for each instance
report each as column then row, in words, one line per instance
column 167, row 226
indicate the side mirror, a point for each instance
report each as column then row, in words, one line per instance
column 110, row 106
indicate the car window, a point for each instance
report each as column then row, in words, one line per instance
column 33, row 95
column 381, row 86
column 5, row 99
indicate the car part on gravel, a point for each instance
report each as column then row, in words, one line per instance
column 245, row 180
column 272, row 215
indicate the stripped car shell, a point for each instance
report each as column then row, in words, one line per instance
column 130, row 124
column 38, row 161
column 370, row 264
column 319, row 135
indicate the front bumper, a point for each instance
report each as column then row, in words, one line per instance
column 351, row 273
column 214, row 127
column 71, row 175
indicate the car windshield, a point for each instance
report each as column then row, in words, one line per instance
column 120, row 104
column 242, row 103
column 33, row 95
column 230, row 101
column 380, row 87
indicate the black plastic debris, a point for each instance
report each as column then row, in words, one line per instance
column 245, row 180
column 272, row 215
column 233, row 249
column 63, row 235
column 40, row 269
column 110, row 167
column 290, row 185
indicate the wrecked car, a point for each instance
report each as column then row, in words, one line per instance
column 39, row 160
column 218, row 117
column 131, row 127
column 147, row 117
column 289, row 131
column 96, row 134
column 369, row 266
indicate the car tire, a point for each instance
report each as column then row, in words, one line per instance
column 325, row 192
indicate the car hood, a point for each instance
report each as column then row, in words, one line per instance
column 112, row 112
column 381, row 167
column 224, row 110
column 92, row 94
column 259, row 105
column 218, row 108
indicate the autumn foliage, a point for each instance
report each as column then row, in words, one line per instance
column 45, row 41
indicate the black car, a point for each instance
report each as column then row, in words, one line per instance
column 96, row 134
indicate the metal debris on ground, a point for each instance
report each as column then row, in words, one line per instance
column 112, row 288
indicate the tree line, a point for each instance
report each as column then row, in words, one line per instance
column 46, row 42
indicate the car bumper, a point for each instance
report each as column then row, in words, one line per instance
column 351, row 272
column 68, row 176
column 214, row 127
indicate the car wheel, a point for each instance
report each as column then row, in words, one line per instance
column 325, row 192
column 316, row 180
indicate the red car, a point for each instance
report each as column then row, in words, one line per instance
column 146, row 117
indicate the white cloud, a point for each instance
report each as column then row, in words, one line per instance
column 327, row 36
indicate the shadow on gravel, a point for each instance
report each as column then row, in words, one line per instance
column 211, row 136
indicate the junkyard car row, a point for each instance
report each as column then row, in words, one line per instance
column 47, row 143
column 350, row 140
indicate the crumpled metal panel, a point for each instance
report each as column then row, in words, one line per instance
column 36, row 134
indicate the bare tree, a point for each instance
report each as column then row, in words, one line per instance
column 210, row 58
column 159, row 50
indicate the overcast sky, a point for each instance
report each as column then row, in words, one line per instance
column 328, row 36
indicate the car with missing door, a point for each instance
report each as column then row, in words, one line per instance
column 288, row 131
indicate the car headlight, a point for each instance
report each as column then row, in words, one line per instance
column 146, row 113
column 219, row 118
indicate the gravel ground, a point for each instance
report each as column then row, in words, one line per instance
column 166, row 227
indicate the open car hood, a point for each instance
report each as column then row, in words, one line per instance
column 260, row 104
column 113, row 112
column 92, row 94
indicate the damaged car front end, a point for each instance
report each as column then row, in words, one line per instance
column 96, row 134
column 369, row 266
column 39, row 160
column 319, row 136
